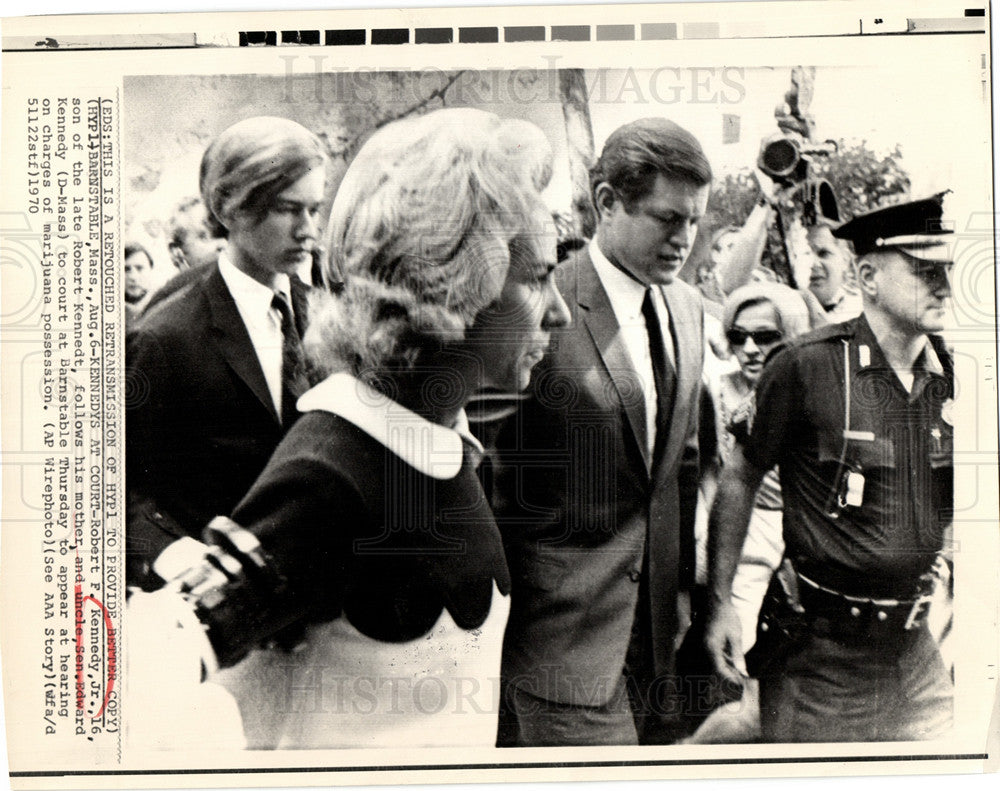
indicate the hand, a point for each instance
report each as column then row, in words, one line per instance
column 724, row 643
column 771, row 191
column 768, row 188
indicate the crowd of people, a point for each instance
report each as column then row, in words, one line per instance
column 325, row 546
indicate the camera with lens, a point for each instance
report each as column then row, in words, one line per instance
column 786, row 158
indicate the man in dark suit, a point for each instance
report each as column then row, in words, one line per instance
column 597, row 473
column 213, row 371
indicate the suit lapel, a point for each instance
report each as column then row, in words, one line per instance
column 686, row 332
column 233, row 340
column 599, row 318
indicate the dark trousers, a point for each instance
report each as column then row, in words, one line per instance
column 655, row 700
column 527, row 720
column 828, row 691
column 643, row 709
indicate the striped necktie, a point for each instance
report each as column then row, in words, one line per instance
column 293, row 370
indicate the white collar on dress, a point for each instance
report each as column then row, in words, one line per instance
column 430, row 448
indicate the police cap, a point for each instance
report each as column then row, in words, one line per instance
column 914, row 227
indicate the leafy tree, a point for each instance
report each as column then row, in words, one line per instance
column 863, row 179
column 732, row 200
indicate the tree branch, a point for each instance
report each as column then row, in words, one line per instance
column 437, row 93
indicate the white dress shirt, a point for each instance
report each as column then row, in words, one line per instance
column 263, row 322
column 626, row 295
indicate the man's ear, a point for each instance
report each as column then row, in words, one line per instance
column 177, row 256
column 605, row 198
column 865, row 269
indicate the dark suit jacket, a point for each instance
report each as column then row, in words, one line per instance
column 200, row 422
column 578, row 496
column 176, row 283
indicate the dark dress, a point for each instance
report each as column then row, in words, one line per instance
column 376, row 519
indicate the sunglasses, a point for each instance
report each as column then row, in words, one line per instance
column 737, row 337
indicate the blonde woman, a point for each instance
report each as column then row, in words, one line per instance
column 369, row 595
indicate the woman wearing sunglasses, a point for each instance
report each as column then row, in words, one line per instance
column 758, row 319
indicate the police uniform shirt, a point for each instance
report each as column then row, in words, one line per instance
column 864, row 514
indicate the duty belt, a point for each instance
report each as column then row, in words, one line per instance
column 844, row 615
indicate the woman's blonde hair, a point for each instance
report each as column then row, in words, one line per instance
column 418, row 237
column 789, row 305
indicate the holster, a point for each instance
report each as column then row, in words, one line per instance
column 782, row 626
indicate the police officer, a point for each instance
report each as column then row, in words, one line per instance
column 857, row 415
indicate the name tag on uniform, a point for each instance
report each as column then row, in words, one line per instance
column 863, row 436
column 855, row 489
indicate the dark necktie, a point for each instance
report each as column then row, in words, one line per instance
column 664, row 376
column 293, row 370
